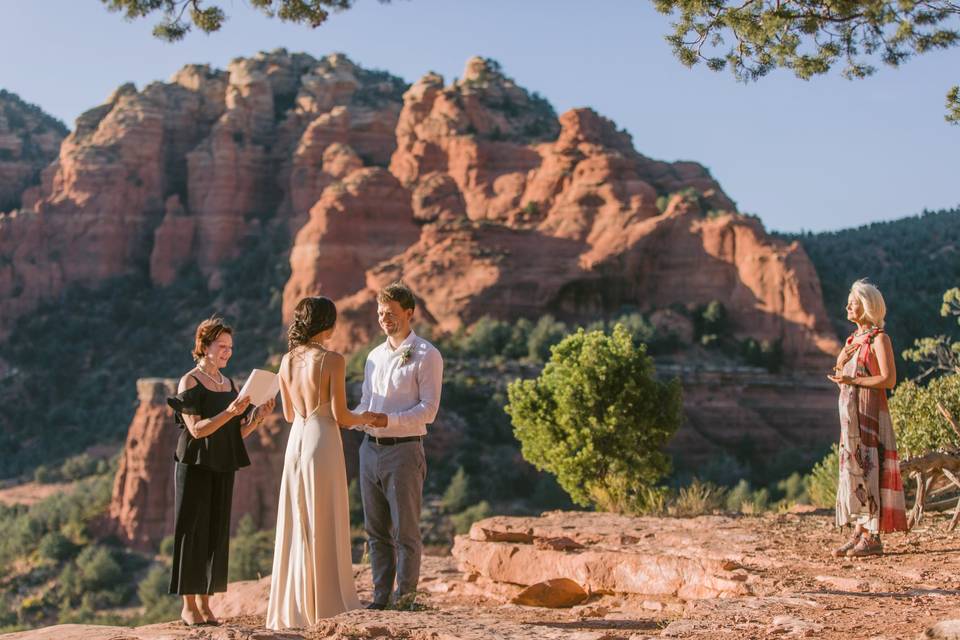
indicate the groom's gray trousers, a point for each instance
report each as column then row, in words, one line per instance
column 391, row 486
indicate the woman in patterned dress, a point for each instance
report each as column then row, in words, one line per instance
column 870, row 491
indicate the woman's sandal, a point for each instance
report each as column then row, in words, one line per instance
column 868, row 546
column 843, row 549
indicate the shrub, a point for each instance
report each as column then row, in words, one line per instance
column 465, row 519
column 821, row 482
column 711, row 319
column 597, row 418
column 56, row 547
column 487, row 337
column 457, row 495
column 918, row 424
column 545, row 334
column 698, row 498
column 153, row 591
column 251, row 551
column 794, row 489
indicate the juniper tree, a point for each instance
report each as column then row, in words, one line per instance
column 809, row 37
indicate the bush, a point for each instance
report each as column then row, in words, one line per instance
column 153, row 591
column 457, row 495
column 597, row 418
column 698, row 498
column 251, row 551
column 465, row 519
column 56, row 547
column 545, row 334
column 821, row 483
column 710, row 319
column 97, row 568
column 917, row 422
column 794, row 489
column 487, row 338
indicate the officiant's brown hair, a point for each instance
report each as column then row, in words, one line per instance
column 399, row 293
column 208, row 331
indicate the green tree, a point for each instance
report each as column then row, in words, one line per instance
column 821, row 482
column 547, row 332
column 465, row 519
column 158, row 604
column 940, row 353
column 179, row 16
column 916, row 418
column 597, row 418
column 251, row 551
column 458, row 492
column 809, row 37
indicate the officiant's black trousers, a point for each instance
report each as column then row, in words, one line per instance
column 201, row 530
column 391, row 487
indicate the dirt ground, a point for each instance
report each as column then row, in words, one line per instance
column 798, row 591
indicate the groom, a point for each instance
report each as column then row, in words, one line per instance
column 401, row 379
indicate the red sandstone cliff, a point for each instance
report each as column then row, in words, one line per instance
column 29, row 141
column 492, row 205
column 180, row 172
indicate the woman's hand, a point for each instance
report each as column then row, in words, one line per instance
column 374, row 419
column 846, row 353
column 842, row 379
column 266, row 408
column 238, row 406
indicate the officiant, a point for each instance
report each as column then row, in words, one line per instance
column 214, row 419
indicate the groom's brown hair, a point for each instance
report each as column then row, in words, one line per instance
column 399, row 293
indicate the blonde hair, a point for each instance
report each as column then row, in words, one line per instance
column 874, row 308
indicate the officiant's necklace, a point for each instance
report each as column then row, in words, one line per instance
column 212, row 379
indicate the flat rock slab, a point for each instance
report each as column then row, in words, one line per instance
column 608, row 553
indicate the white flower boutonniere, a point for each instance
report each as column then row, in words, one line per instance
column 406, row 355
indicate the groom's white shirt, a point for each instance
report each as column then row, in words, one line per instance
column 407, row 391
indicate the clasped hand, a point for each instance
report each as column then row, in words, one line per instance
column 374, row 419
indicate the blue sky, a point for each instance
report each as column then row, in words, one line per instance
column 817, row 155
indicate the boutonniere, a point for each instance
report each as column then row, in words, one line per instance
column 406, row 355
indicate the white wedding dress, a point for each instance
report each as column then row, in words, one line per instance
column 312, row 570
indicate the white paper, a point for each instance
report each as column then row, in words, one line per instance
column 260, row 386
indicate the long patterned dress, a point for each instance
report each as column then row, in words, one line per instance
column 870, row 491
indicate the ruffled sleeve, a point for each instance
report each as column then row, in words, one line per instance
column 189, row 403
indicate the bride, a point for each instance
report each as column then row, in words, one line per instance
column 312, row 570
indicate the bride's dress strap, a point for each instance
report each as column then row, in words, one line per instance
column 319, row 391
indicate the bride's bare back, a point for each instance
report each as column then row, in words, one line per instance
column 311, row 377
column 306, row 379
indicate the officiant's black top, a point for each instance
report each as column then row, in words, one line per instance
column 222, row 450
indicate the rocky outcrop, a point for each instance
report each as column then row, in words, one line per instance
column 141, row 511
column 182, row 173
column 571, row 221
column 29, row 141
column 359, row 221
column 617, row 556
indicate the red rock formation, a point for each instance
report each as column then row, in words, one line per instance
column 29, row 140
column 576, row 227
column 359, row 221
column 182, row 172
column 141, row 511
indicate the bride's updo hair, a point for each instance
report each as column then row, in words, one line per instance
column 311, row 316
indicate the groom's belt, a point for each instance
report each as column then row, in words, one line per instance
column 389, row 441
